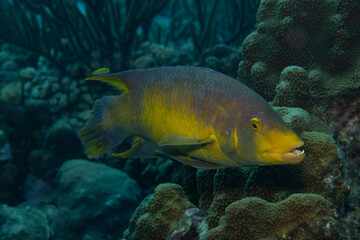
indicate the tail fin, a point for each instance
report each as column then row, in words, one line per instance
column 101, row 132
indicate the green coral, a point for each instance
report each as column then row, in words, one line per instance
column 292, row 88
column 167, row 214
column 303, row 53
column 255, row 218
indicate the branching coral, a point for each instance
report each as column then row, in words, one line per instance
column 67, row 31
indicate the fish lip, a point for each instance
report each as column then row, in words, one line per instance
column 292, row 155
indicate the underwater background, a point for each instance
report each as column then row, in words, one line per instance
column 302, row 56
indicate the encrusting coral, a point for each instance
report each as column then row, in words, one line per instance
column 311, row 46
column 167, row 214
column 292, row 88
column 255, row 218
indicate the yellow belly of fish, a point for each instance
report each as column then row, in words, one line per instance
column 159, row 120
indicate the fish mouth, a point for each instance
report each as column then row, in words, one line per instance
column 293, row 155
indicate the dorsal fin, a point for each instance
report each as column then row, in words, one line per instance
column 113, row 79
column 123, row 81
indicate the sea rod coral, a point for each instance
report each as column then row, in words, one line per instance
column 51, row 29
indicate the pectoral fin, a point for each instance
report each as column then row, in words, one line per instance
column 179, row 140
column 191, row 161
column 137, row 143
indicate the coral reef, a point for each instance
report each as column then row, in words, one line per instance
column 59, row 92
column 311, row 46
column 93, row 193
column 222, row 58
column 111, row 26
column 292, row 88
column 26, row 222
column 343, row 117
column 254, row 218
column 167, row 214
column 155, row 55
column 11, row 93
column 306, row 54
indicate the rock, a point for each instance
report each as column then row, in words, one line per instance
column 63, row 140
column 25, row 222
column 11, row 93
column 9, row 65
column 5, row 148
column 95, row 201
column 27, row 73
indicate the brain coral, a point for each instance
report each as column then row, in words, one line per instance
column 303, row 52
column 255, row 218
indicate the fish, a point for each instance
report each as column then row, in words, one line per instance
column 194, row 115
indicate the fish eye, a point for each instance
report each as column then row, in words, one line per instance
column 256, row 124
